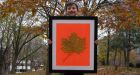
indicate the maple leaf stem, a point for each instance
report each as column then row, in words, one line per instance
column 68, row 55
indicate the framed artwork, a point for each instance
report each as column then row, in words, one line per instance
column 73, row 47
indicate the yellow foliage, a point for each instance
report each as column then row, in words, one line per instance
column 33, row 11
column 84, row 10
column 63, row 1
column 10, row 2
column 33, row 30
column 13, row 10
column 4, row 15
column 121, row 12
column 19, row 7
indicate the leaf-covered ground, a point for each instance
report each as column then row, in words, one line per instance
column 101, row 71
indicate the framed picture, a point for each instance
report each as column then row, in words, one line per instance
column 73, row 47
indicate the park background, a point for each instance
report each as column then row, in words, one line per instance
column 24, row 34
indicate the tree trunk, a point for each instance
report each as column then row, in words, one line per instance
column 47, row 67
column 120, row 58
column 2, row 68
column 128, row 50
column 125, row 49
column 115, row 57
column 14, row 66
column 115, row 64
column 128, row 56
column 108, row 48
column 26, row 64
column 125, row 56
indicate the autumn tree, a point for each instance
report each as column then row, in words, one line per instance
column 22, row 35
column 6, row 43
column 126, row 19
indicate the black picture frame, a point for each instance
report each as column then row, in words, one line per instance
column 67, row 18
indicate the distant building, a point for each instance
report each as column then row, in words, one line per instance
column 23, row 66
